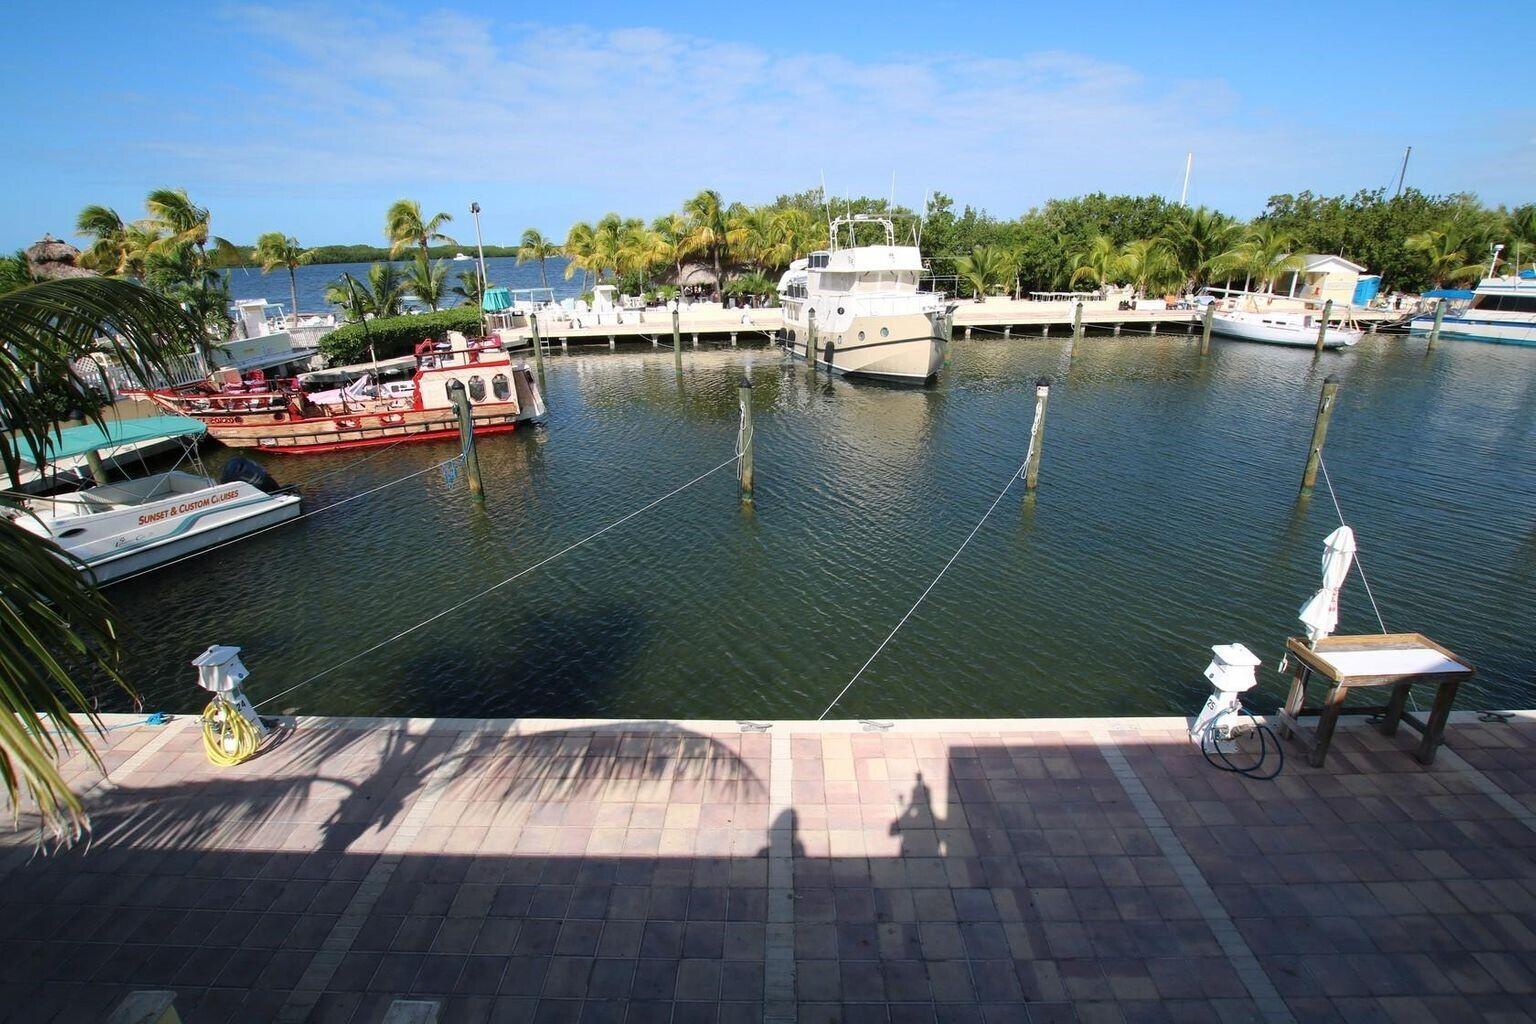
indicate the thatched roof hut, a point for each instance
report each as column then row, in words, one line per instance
column 696, row 275
column 52, row 258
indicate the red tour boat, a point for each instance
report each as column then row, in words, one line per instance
column 280, row 416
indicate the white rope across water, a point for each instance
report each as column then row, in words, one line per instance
column 1358, row 564
column 497, row 586
column 928, row 589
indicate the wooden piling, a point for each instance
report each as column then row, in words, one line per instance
column 1205, row 328
column 744, row 467
column 538, row 345
column 1434, row 332
column 1325, row 405
column 1036, row 434
column 677, row 337
column 810, row 341
column 1322, row 327
column 460, row 401
column 1077, row 323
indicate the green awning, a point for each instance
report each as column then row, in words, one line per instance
column 496, row 300
column 89, row 437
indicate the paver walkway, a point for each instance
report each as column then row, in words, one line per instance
column 934, row 873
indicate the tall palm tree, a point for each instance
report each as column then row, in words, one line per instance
column 1265, row 253
column 405, row 226
column 672, row 229
column 536, row 247
column 1448, row 254
column 275, row 249
column 580, row 251
column 382, row 294
column 1149, row 264
column 111, row 248
column 712, row 229
column 427, row 280
column 1097, row 261
column 58, row 630
column 607, row 243
column 181, row 220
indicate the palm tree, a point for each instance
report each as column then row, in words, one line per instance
column 405, row 226
column 427, row 280
column 469, row 288
column 1264, row 253
column 1149, row 264
column 672, row 230
column 986, row 268
column 16, row 272
column 536, row 247
column 713, row 230
column 57, row 628
column 382, row 294
column 607, row 243
column 1447, row 252
column 1098, row 261
column 580, row 250
column 182, row 220
column 111, row 249
column 1198, row 237
column 275, row 249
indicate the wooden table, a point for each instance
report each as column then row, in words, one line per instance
column 1397, row 660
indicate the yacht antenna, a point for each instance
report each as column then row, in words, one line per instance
column 892, row 204
column 1189, row 163
column 1402, row 174
column 826, row 201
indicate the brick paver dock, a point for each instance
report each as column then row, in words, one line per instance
column 954, row 872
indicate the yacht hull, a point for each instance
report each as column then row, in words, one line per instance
column 1467, row 329
column 1268, row 334
column 909, row 351
column 114, row 566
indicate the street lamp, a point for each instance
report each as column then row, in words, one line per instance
column 474, row 208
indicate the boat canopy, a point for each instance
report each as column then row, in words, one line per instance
column 1448, row 293
column 90, row 437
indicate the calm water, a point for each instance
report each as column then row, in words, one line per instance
column 251, row 283
column 1166, row 521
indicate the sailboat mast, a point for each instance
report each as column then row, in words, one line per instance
column 1189, row 163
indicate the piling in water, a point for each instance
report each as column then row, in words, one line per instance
column 1205, row 329
column 1319, row 432
column 810, row 341
column 1036, row 435
column 538, row 345
column 1322, row 327
column 1077, row 324
column 744, row 467
column 1434, row 332
column 460, row 402
column 677, row 337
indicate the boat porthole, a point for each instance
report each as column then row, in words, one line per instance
column 861, row 335
column 885, row 332
column 791, row 335
column 277, row 417
column 839, row 310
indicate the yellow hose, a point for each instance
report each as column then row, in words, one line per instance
column 228, row 738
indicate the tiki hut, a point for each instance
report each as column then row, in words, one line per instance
column 696, row 275
column 50, row 259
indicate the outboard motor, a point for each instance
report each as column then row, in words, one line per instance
column 243, row 470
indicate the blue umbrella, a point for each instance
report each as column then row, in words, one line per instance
column 495, row 300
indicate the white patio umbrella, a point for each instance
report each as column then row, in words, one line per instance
column 1321, row 612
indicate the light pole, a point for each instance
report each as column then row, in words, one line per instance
column 474, row 208
column 1494, row 262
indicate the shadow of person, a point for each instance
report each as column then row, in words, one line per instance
column 916, row 824
column 784, row 836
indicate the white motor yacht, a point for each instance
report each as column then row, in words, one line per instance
column 856, row 309
column 1502, row 311
column 116, row 528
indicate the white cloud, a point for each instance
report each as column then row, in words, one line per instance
column 636, row 118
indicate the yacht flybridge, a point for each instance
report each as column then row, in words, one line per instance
column 856, row 309
column 1502, row 310
column 116, row 528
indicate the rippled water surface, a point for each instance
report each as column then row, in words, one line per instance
column 1166, row 520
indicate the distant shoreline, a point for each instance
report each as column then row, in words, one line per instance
column 327, row 254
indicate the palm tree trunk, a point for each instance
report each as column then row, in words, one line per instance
column 293, row 293
column 543, row 277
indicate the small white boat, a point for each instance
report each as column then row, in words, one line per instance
column 1502, row 310
column 870, row 318
column 459, row 257
column 1244, row 317
column 118, row 528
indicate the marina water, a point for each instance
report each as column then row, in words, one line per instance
column 1166, row 521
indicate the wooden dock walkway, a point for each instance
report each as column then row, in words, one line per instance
column 741, row 873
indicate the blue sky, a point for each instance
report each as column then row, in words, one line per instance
column 311, row 119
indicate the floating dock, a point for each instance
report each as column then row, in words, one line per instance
column 992, row 870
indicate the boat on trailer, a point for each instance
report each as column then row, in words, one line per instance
column 116, row 528
column 870, row 318
column 281, row 416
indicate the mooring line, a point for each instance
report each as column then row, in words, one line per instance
column 286, row 522
column 974, row 530
column 1358, row 564
column 497, row 586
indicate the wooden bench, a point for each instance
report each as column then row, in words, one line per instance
column 1398, row 660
